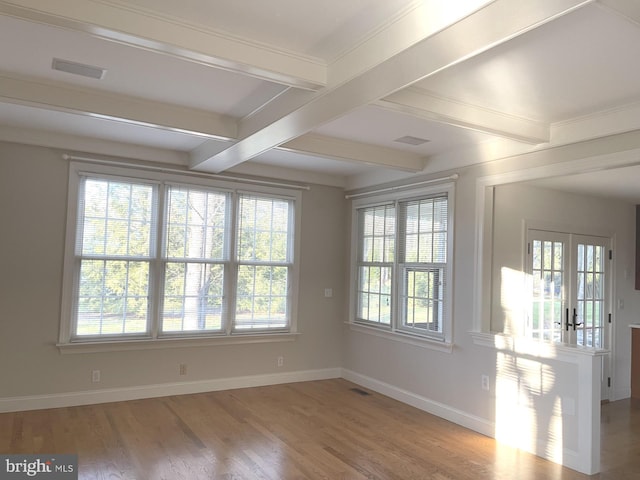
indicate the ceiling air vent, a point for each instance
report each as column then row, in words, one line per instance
column 409, row 140
column 78, row 69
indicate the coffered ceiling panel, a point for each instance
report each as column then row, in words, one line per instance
column 288, row 88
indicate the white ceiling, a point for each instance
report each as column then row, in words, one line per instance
column 320, row 91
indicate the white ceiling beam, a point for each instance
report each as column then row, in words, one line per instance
column 427, row 105
column 612, row 121
column 55, row 96
column 421, row 20
column 255, row 169
column 137, row 28
column 356, row 152
column 492, row 25
column 48, row 95
column 97, row 146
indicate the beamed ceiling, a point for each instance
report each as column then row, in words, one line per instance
column 321, row 91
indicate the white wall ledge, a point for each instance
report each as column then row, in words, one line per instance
column 172, row 342
column 537, row 348
column 397, row 336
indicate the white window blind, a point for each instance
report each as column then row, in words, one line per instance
column 422, row 263
column 264, row 262
column 402, row 262
column 114, row 248
column 376, row 256
column 196, row 257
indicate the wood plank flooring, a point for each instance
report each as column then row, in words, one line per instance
column 309, row 430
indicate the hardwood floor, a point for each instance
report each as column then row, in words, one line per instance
column 310, row 430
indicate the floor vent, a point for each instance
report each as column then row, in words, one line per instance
column 359, row 391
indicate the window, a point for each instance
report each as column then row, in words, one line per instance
column 195, row 254
column 157, row 257
column 114, row 253
column 264, row 262
column 402, row 263
column 376, row 253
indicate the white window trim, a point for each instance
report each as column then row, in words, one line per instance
column 68, row 345
column 395, row 331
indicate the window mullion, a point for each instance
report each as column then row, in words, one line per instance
column 231, row 265
column 400, row 229
column 157, row 266
column 104, row 289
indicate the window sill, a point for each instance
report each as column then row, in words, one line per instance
column 158, row 343
column 535, row 348
column 398, row 336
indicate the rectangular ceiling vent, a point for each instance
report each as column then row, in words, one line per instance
column 409, row 140
column 78, row 69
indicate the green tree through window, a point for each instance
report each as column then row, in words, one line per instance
column 154, row 258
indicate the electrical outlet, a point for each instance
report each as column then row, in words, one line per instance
column 280, row 361
column 183, row 369
column 328, row 292
column 95, row 376
column 485, row 382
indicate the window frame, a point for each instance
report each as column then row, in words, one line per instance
column 382, row 264
column 164, row 259
column 238, row 262
column 163, row 180
column 397, row 330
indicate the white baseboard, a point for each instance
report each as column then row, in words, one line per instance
column 570, row 458
column 88, row 397
column 441, row 410
column 621, row 393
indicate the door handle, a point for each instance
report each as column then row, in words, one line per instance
column 575, row 318
column 566, row 319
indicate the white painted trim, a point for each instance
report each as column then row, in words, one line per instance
column 355, row 152
column 388, row 196
column 89, row 397
column 621, row 393
column 570, row 458
column 431, row 106
column 97, row 146
column 187, row 173
column 290, row 174
column 23, row 90
column 587, row 458
column 604, row 153
column 400, row 336
column 119, row 345
column 164, row 176
column 535, row 348
column 477, row 424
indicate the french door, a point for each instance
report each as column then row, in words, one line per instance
column 570, row 290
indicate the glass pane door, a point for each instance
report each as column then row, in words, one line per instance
column 547, row 267
column 570, row 291
column 590, row 291
column 548, row 277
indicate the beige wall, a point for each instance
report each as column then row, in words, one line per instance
column 33, row 198
column 33, row 190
